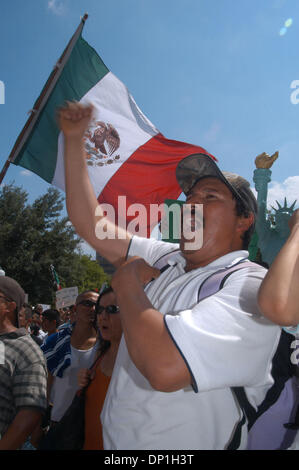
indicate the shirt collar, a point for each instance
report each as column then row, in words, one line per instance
column 224, row 261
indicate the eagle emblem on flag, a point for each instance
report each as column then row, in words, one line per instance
column 101, row 142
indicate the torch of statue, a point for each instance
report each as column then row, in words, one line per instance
column 265, row 161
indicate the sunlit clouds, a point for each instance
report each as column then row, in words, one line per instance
column 57, row 7
column 288, row 189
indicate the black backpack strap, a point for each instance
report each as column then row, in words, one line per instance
column 248, row 412
column 247, row 408
column 236, row 439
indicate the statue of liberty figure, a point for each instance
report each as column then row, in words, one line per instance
column 272, row 229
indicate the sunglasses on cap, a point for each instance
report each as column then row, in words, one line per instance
column 87, row 303
column 110, row 309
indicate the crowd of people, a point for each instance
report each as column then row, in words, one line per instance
column 180, row 346
column 63, row 346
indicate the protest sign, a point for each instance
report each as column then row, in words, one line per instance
column 66, row 297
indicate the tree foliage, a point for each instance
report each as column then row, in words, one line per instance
column 32, row 237
column 90, row 275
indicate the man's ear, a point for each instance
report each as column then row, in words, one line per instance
column 13, row 306
column 245, row 222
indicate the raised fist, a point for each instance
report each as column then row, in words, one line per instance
column 74, row 119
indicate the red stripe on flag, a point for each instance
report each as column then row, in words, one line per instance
column 148, row 176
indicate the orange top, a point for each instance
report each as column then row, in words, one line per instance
column 95, row 397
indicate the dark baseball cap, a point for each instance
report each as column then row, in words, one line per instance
column 199, row 165
column 12, row 290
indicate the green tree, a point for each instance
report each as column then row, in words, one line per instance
column 32, row 237
column 90, row 274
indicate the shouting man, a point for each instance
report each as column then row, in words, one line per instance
column 197, row 350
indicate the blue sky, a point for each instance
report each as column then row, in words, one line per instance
column 216, row 73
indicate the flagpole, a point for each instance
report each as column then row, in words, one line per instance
column 4, row 170
column 42, row 99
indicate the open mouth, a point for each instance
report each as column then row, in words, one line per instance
column 192, row 224
column 191, row 219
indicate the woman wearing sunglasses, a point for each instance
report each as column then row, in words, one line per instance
column 109, row 331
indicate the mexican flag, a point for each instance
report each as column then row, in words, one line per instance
column 55, row 277
column 125, row 153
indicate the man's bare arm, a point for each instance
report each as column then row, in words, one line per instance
column 278, row 296
column 23, row 425
column 81, row 200
column 149, row 344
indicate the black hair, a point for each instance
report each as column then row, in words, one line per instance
column 105, row 291
column 242, row 210
column 34, row 329
column 52, row 315
column 89, row 291
column 104, row 344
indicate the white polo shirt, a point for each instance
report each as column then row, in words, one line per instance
column 223, row 339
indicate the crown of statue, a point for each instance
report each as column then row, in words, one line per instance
column 284, row 208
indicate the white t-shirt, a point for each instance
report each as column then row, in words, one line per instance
column 64, row 388
column 225, row 342
column 42, row 334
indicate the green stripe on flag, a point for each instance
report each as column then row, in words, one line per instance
column 82, row 71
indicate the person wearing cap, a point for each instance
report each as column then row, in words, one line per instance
column 179, row 357
column 23, row 374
